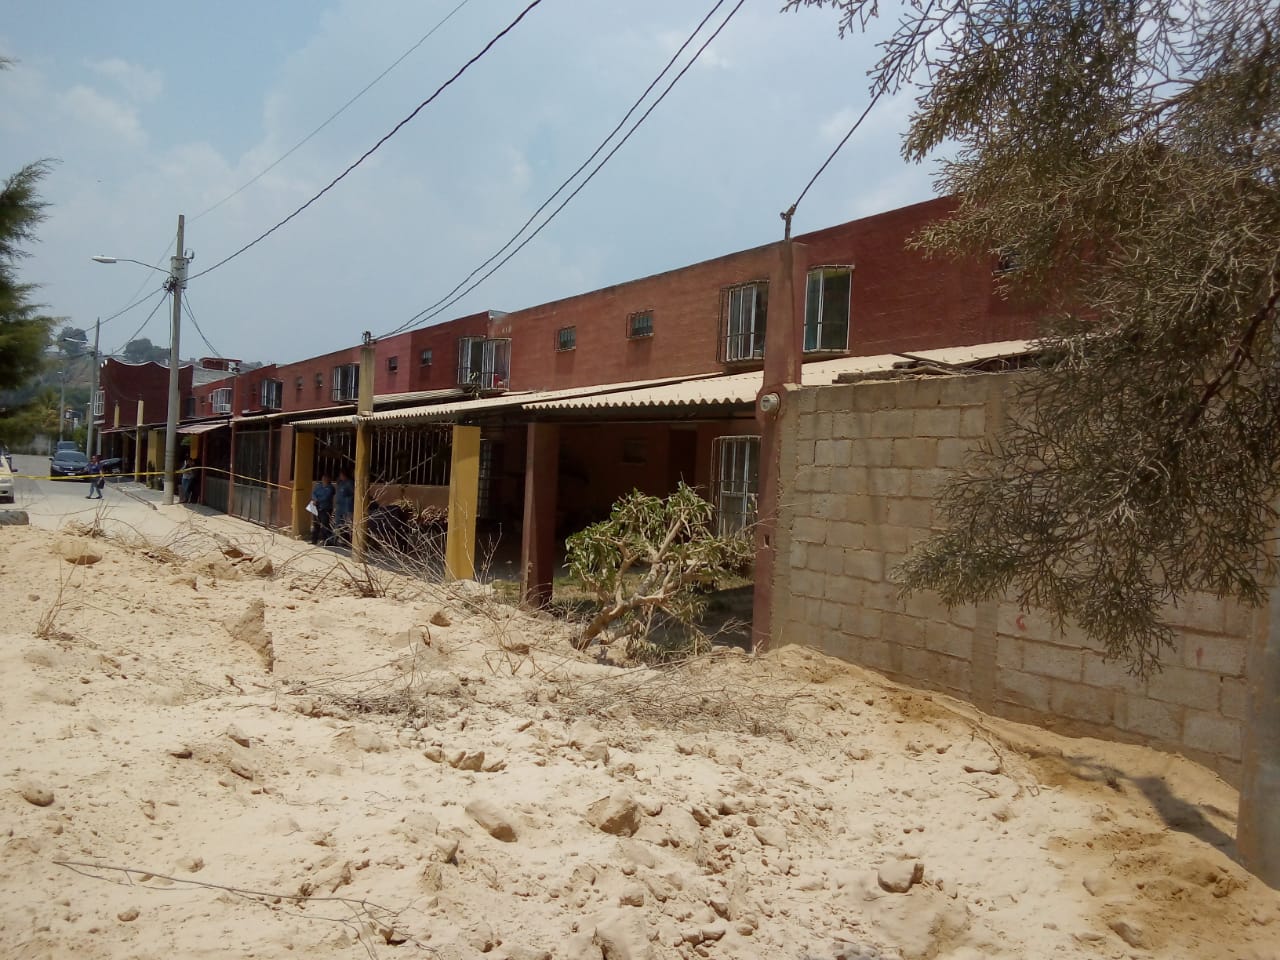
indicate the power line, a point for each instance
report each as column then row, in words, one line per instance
column 334, row 116
column 186, row 305
column 595, row 153
column 435, row 311
column 143, row 325
column 394, row 130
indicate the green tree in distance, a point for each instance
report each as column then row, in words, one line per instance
column 1123, row 155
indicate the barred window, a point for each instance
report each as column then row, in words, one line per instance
column 737, row 480
column 745, row 309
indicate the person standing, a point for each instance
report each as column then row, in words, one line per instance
column 344, row 504
column 96, row 480
column 322, row 495
column 187, row 477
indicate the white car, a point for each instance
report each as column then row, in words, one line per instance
column 6, row 481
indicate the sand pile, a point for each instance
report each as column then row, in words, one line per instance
column 214, row 755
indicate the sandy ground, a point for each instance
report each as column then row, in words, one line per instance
column 210, row 754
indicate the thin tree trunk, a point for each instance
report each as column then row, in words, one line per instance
column 1258, row 819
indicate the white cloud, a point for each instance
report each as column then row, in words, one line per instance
column 93, row 109
column 138, row 83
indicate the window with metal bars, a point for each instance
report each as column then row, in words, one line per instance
column 745, row 310
column 272, row 394
column 346, row 382
column 737, row 483
column 640, row 325
column 484, row 363
column 566, row 339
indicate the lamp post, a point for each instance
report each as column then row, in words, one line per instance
column 175, row 284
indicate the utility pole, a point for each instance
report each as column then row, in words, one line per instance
column 93, row 392
column 177, row 280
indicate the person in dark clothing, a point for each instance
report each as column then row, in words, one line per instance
column 322, row 495
column 344, row 505
column 188, row 476
column 96, row 480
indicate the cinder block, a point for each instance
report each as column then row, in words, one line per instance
column 830, row 615
column 927, row 605
column 1023, row 624
column 910, row 512
column 927, row 483
column 936, row 669
column 942, row 422
column 1191, row 688
column 966, row 616
column 850, row 425
column 851, row 481
column 847, row 535
column 915, row 452
column 799, row 554
column 892, row 423
column 903, row 630
column 872, row 452
column 806, row 400
column 973, row 422
column 952, row 452
column 1080, row 702
column 1048, row 660
column 807, row 427
column 964, row 390
column 953, row 641
column 1234, row 699
column 1213, row 734
column 1111, row 674
column 876, row 654
column 1200, row 612
column 824, row 452
column 828, row 506
column 881, row 596
column 806, row 583
column 839, row 588
column 809, row 529
column 888, row 482
column 1217, row 654
column 859, row 621
column 864, row 564
column 1008, row 653
column 822, row 425
column 834, row 560
column 886, row 537
column 1023, row 689
column 1150, row 718
column 832, row 398
column 1239, row 619
column 804, row 452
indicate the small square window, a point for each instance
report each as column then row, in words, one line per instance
column 640, row 325
column 319, row 379
column 566, row 338
column 424, row 358
column 393, row 364
column 298, row 385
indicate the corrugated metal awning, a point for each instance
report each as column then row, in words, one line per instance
column 194, row 428
column 470, row 409
column 740, row 389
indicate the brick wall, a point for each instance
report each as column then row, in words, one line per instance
column 861, row 467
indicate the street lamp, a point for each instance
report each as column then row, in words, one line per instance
column 175, row 284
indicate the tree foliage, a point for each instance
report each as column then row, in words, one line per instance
column 24, row 333
column 651, row 556
column 1124, row 156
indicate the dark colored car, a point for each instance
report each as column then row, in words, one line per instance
column 69, row 463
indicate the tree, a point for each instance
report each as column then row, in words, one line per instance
column 651, row 556
column 24, row 333
column 143, row 350
column 1123, row 155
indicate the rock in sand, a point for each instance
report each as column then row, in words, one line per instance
column 496, row 821
column 618, row 814
column 901, row 875
column 35, row 793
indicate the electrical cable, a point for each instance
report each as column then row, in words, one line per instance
column 433, row 312
column 143, row 326
column 334, row 116
column 394, row 130
column 186, row 305
column 569, row 179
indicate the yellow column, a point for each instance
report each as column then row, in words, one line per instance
column 304, row 457
column 137, row 444
column 155, row 455
column 464, row 498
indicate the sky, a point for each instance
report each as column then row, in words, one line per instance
column 149, row 111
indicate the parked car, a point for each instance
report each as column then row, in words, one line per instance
column 6, row 481
column 69, row 464
column 66, row 445
column 7, row 457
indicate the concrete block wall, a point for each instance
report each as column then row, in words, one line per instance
column 862, row 465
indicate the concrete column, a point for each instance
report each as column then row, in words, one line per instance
column 137, row 444
column 464, row 498
column 783, row 356
column 304, row 458
column 538, row 540
column 360, row 476
column 231, row 472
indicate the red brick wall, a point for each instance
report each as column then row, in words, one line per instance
column 127, row 383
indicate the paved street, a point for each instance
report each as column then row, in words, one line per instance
column 51, row 503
